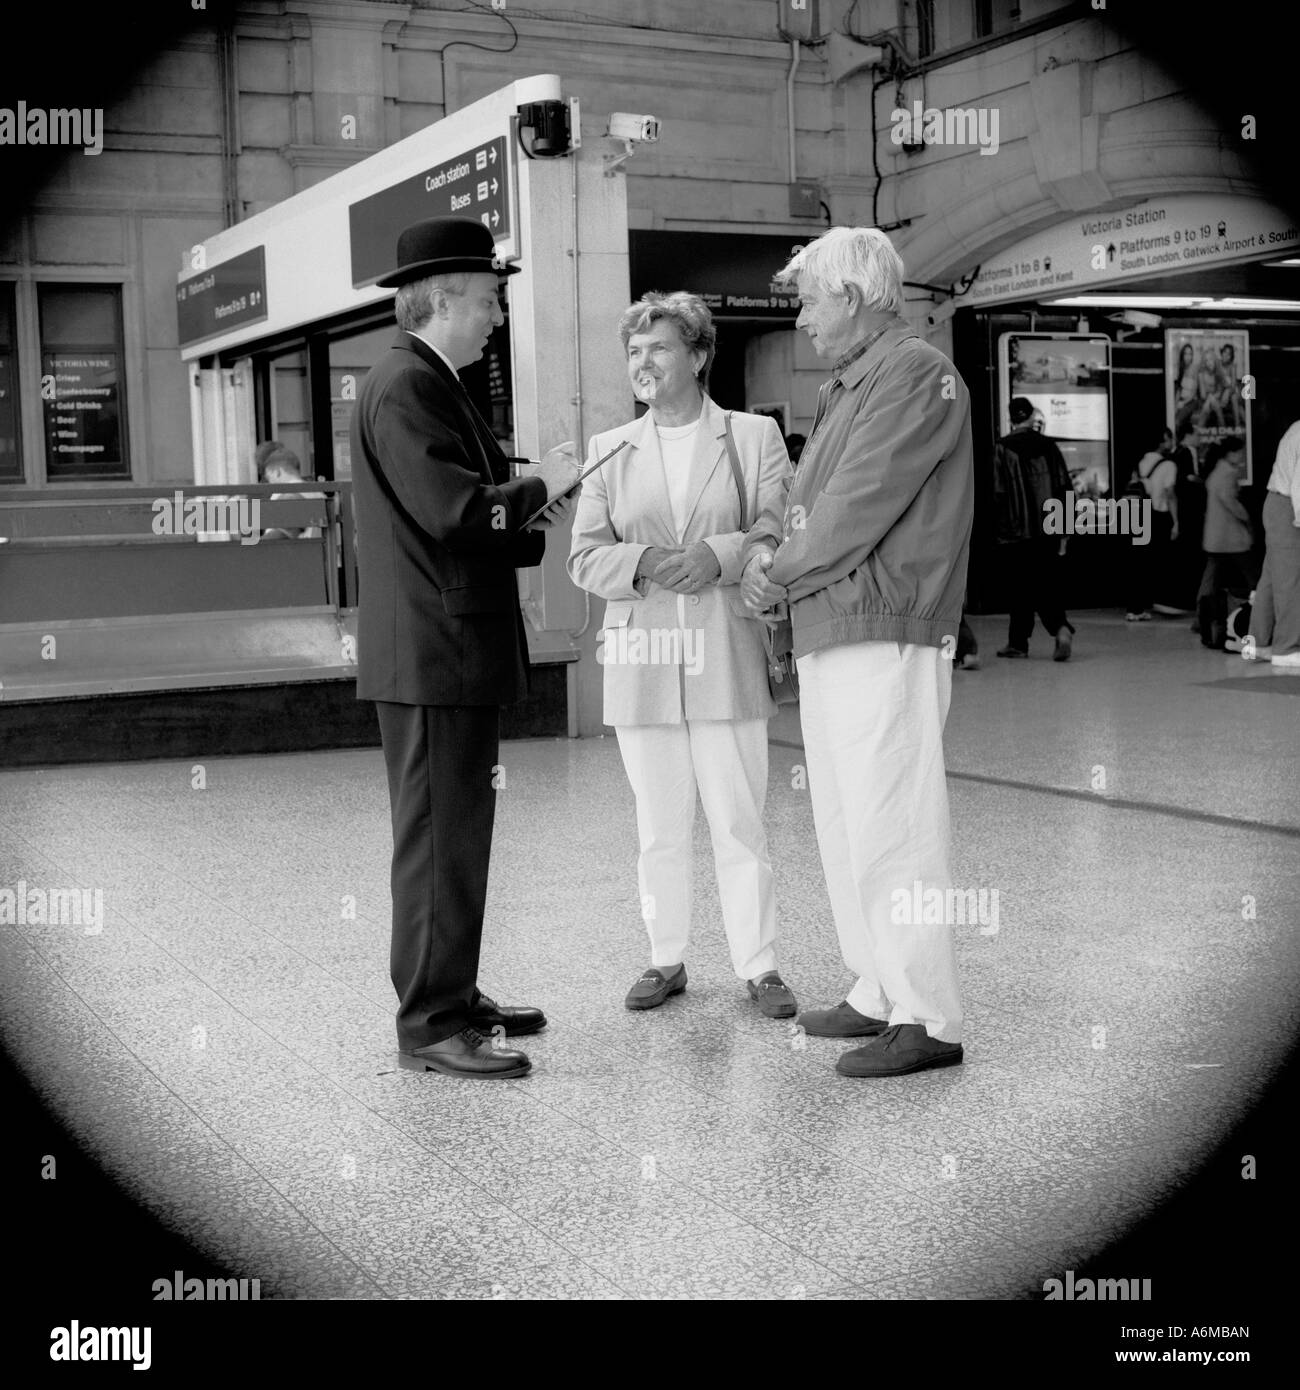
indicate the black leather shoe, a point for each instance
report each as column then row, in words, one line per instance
column 468, row 1054
column 487, row 1014
column 1012, row 651
column 652, row 989
column 772, row 995
column 900, row 1050
column 843, row 1021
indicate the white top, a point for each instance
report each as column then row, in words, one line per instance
column 677, row 445
column 1160, row 478
column 1285, row 477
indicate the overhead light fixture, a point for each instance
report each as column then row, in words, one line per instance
column 1173, row 301
column 1290, row 260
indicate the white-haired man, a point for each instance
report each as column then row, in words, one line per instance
column 873, row 567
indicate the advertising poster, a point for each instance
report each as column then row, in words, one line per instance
column 1203, row 386
column 83, row 426
column 1066, row 377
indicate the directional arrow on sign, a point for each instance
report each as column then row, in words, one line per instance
column 466, row 182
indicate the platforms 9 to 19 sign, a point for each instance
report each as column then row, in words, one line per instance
column 474, row 184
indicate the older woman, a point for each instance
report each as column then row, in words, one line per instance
column 658, row 534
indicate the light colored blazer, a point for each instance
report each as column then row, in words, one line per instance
column 720, row 670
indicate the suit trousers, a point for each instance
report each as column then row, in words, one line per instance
column 440, row 762
column 726, row 760
column 873, row 716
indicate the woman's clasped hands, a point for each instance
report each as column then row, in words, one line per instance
column 683, row 570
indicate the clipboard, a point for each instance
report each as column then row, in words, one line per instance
column 600, row 463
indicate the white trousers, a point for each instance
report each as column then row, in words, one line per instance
column 727, row 761
column 873, row 716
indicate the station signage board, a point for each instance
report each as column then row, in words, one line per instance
column 474, row 183
column 222, row 297
column 733, row 273
column 1161, row 236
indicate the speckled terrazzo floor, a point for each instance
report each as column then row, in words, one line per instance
column 225, row 1041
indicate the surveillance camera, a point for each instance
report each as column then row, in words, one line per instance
column 626, row 125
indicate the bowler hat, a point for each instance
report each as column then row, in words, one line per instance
column 441, row 245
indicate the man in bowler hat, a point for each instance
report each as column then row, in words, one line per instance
column 441, row 642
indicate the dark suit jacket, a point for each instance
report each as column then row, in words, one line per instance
column 438, row 542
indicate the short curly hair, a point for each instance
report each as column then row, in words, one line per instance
column 688, row 311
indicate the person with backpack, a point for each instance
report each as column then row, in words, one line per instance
column 1028, row 472
column 1155, row 480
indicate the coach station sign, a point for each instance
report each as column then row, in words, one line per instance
column 1162, row 236
column 472, row 184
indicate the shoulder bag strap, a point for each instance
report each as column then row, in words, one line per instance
column 734, row 457
column 737, row 474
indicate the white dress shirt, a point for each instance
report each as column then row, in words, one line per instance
column 1285, row 477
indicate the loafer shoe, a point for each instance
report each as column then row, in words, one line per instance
column 843, row 1021
column 487, row 1014
column 1012, row 651
column 469, row 1054
column 652, row 989
column 772, row 995
column 906, row 1047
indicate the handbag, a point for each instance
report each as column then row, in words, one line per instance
column 778, row 638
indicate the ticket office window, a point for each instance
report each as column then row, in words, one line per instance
column 307, row 389
column 83, row 396
column 350, row 359
column 487, row 383
column 491, row 388
column 11, row 445
column 288, row 406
